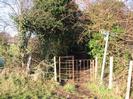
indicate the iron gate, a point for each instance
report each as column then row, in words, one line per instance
column 76, row 70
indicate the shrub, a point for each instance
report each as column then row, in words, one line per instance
column 17, row 85
column 69, row 87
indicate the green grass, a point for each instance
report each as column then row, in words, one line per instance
column 101, row 91
column 69, row 88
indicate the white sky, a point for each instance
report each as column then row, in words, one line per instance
column 6, row 10
column 5, row 21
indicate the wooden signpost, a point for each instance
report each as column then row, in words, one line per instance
column 104, row 56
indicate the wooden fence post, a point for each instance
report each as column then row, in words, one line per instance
column 129, row 80
column 91, row 70
column 55, row 69
column 59, row 69
column 28, row 68
column 73, row 68
column 96, row 67
column 111, row 73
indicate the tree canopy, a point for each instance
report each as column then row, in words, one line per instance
column 114, row 17
column 56, row 23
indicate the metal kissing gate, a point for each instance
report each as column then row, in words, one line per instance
column 68, row 68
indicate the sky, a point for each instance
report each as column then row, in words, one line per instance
column 7, row 25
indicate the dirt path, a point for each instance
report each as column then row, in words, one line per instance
column 80, row 93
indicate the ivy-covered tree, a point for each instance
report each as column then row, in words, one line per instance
column 56, row 23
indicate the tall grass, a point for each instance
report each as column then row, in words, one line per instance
column 16, row 84
column 102, row 91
